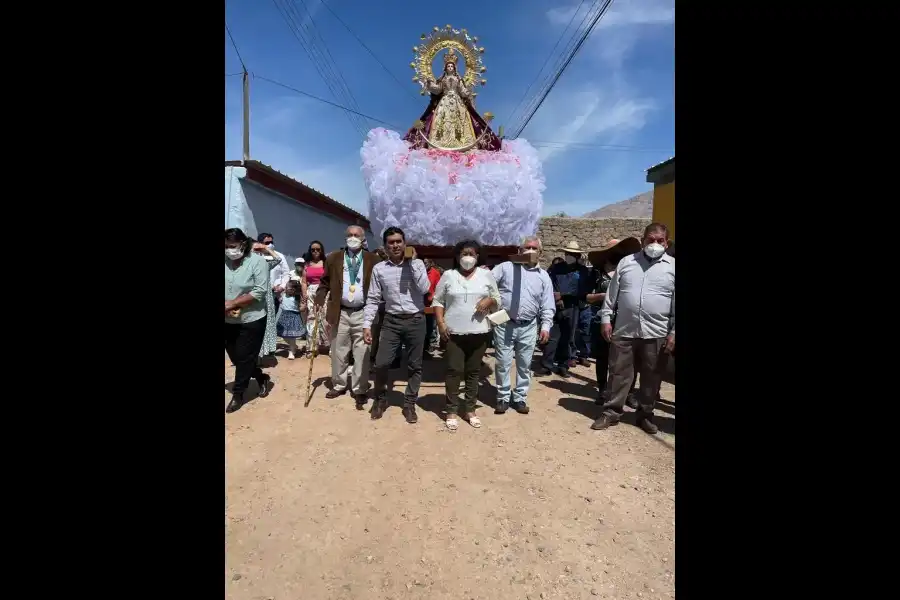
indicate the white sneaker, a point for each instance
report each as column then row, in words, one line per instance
column 291, row 356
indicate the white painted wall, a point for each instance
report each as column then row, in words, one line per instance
column 254, row 208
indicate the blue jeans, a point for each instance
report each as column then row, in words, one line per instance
column 583, row 332
column 514, row 339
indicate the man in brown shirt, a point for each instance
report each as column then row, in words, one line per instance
column 346, row 283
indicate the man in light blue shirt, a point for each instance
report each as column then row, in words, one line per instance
column 526, row 294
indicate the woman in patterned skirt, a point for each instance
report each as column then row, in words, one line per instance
column 269, row 344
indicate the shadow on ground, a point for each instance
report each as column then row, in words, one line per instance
column 592, row 411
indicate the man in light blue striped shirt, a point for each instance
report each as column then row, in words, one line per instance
column 401, row 283
column 526, row 294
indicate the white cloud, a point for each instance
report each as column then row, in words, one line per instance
column 609, row 112
column 622, row 12
column 620, row 29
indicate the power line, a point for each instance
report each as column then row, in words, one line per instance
column 546, row 60
column 323, row 100
column 289, row 11
column 536, row 143
column 404, row 86
column 233, row 43
column 584, row 37
column 587, row 146
column 232, row 74
column 515, row 125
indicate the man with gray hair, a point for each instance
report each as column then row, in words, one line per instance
column 347, row 275
column 526, row 294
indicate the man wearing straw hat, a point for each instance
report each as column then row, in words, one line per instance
column 571, row 283
column 641, row 295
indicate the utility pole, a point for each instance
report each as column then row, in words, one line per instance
column 246, row 126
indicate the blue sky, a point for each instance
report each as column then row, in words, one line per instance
column 619, row 90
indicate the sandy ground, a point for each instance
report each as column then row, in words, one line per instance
column 323, row 503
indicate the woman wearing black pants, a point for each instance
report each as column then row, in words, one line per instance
column 246, row 285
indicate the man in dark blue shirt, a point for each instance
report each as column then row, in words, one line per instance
column 571, row 285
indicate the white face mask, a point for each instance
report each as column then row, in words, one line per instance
column 354, row 243
column 468, row 262
column 654, row 250
column 570, row 260
column 233, row 253
column 529, row 251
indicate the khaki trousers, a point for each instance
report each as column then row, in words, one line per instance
column 347, row 339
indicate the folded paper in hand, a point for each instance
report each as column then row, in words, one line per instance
column 499, row 317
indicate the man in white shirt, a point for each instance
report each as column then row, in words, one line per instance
column 278, row 271
column 526, row 294
column 641, row 295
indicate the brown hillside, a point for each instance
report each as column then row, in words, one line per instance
column 638, row 207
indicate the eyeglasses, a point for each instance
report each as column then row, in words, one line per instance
column 315, row 249
column 269, row 243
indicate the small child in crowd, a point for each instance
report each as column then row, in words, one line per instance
column 291, row 324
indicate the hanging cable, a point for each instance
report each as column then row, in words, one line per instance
column 543, row 66
column 587, row 33
column 561, row 57
column 322, row 100
column 234, row 44
column 405, row 87
column 290, row 13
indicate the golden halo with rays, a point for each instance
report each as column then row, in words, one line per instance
column 447, row 38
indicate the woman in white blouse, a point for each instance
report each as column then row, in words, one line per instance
column 464, row 296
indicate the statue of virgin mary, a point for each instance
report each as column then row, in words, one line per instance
column 451, row 122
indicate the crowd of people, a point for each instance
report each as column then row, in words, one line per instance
column 373, row 309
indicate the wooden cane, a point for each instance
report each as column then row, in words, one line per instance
column 315, row 351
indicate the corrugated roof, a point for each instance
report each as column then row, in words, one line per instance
column 661, row 165
column 299, row 185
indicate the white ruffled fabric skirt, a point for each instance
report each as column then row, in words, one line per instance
column 440, row 198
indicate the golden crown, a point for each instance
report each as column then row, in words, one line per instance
column 450, row 57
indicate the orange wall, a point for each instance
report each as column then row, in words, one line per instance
column 664, row 206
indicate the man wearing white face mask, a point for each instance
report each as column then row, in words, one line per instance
column 571, row 284
column 526, row 294
column 641, row 295
column 347, row 275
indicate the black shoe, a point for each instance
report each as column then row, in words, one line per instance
column 361, row 400
column 564, row 373
column 335, row 393
column 541, row 371
column 646, row 423
column 409, row 412
column 265, row 385
column 604, row 421
column 584, row 362
column 521, row 408
column 378, row 408
column 237, row 401
column 632, row 402
column 501, row 408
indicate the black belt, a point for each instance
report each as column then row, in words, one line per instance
column 353, row 309
column 405, row 315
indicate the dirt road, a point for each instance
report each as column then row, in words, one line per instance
column 324, row 504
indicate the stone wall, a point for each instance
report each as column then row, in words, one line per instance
column 589, row 233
